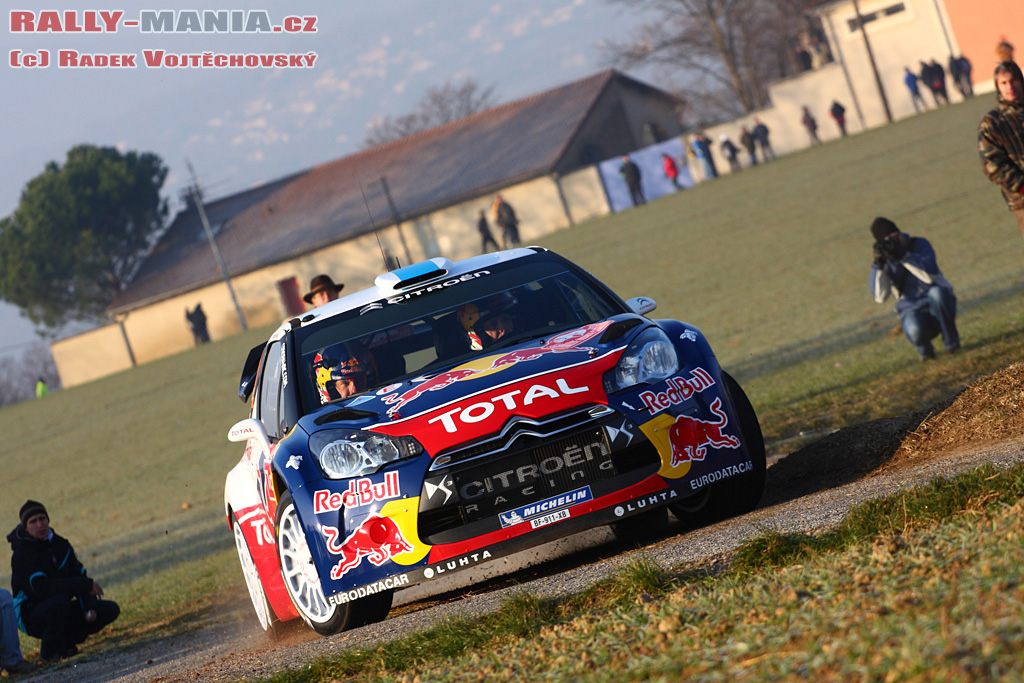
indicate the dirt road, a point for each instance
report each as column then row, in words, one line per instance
column 811, row 489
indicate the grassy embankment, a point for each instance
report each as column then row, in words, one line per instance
column 771, row 264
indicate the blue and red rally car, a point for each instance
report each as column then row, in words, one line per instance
column 454, row 413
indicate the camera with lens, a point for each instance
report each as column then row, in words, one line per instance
column 890, row 248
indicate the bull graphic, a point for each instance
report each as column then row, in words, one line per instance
column 377, row 538
column 690, row 436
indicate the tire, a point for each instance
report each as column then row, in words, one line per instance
column 302, row 582
column 264, row 613
column 644, row 526
column 736, row 495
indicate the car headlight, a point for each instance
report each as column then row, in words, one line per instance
column 345, row 453
column 649, row 358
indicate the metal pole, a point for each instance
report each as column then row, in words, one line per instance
column 198, row 201
column 124, row 333
column 398, row 221
column 846, row 73
column 871, row 58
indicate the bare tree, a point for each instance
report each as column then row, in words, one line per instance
column 18, row 376
column 440, row 104
column 725, row 52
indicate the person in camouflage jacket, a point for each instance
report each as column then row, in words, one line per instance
column 1001, row 138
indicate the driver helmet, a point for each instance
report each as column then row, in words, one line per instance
column 330, row 365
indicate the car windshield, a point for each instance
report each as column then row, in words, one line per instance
column 421, row 330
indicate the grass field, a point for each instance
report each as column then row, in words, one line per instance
column 771, row 264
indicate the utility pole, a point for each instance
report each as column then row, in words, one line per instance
column 871, row 58
column 197, row 199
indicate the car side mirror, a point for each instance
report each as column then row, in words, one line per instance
column 641, row 305
column 250, row 428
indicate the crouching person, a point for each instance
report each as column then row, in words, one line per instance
column 906, row 267
column 54, row 598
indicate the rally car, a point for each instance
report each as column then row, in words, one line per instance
column 454, row 413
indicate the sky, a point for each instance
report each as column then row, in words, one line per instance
column 242, row 126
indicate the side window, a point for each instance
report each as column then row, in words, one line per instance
column 270, row 390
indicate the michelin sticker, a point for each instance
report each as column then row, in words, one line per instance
column 547, row 511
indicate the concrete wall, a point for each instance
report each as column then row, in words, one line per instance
column 160, row 329
column 90, row 355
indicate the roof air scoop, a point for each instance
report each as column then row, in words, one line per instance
column 416, row 274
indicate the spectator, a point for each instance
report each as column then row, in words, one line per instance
column 321, row 291
column 485, row 233
column 910, row 79
column 11, row 660
column 931, row 80
column 906, row 267
column 838, row 112
column 630, row 173
column 954, row 74
column 671, row 170
column 750, row 144
column 197, row 324
column 54, row 598
column 730, row 152
column 761, row 135
column 42, row 389
column 811, row 124
column 939, row 81
column 702, row 150
column 505, row 216
column 1001, row 139
column 1004, row 50
column 964, row 70
column 803, row 58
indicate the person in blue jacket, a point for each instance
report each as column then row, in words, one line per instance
column 54, row 598
column 905, row 267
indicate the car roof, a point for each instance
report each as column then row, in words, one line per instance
column 404, row 279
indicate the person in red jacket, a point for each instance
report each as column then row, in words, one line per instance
column 54, row 598
column 671, row 170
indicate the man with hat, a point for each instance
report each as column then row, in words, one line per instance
column 906, row 267
column 321, row 290
column 54, row 598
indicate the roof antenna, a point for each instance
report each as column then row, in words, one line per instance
column 380, row 246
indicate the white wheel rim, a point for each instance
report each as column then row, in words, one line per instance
column 252, row 578
column 300, row 575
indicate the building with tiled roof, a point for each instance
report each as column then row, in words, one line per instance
column 422, row 195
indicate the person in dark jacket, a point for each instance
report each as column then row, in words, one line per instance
column 749, row 143
column 505, row 216
column 906, row 267
column 838, row 112
column 54, row 598
column 484, row 228
column 630, row 173
column 761, row 134
column 1001, row 139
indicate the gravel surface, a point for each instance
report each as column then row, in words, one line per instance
column 240, row 650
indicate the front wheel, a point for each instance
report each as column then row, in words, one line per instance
column 264, row 613
column 737, row 495
column 302, row 581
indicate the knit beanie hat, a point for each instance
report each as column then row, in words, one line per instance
column 30, row 509
column 882, row 228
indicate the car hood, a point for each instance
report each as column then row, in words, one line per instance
column 523, row 378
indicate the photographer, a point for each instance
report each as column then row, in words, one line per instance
column 906, row 267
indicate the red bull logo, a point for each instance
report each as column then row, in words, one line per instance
column 360, row 492
column 679, row 389
column 560, row 343
column 377, row 538
column 690, row 437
